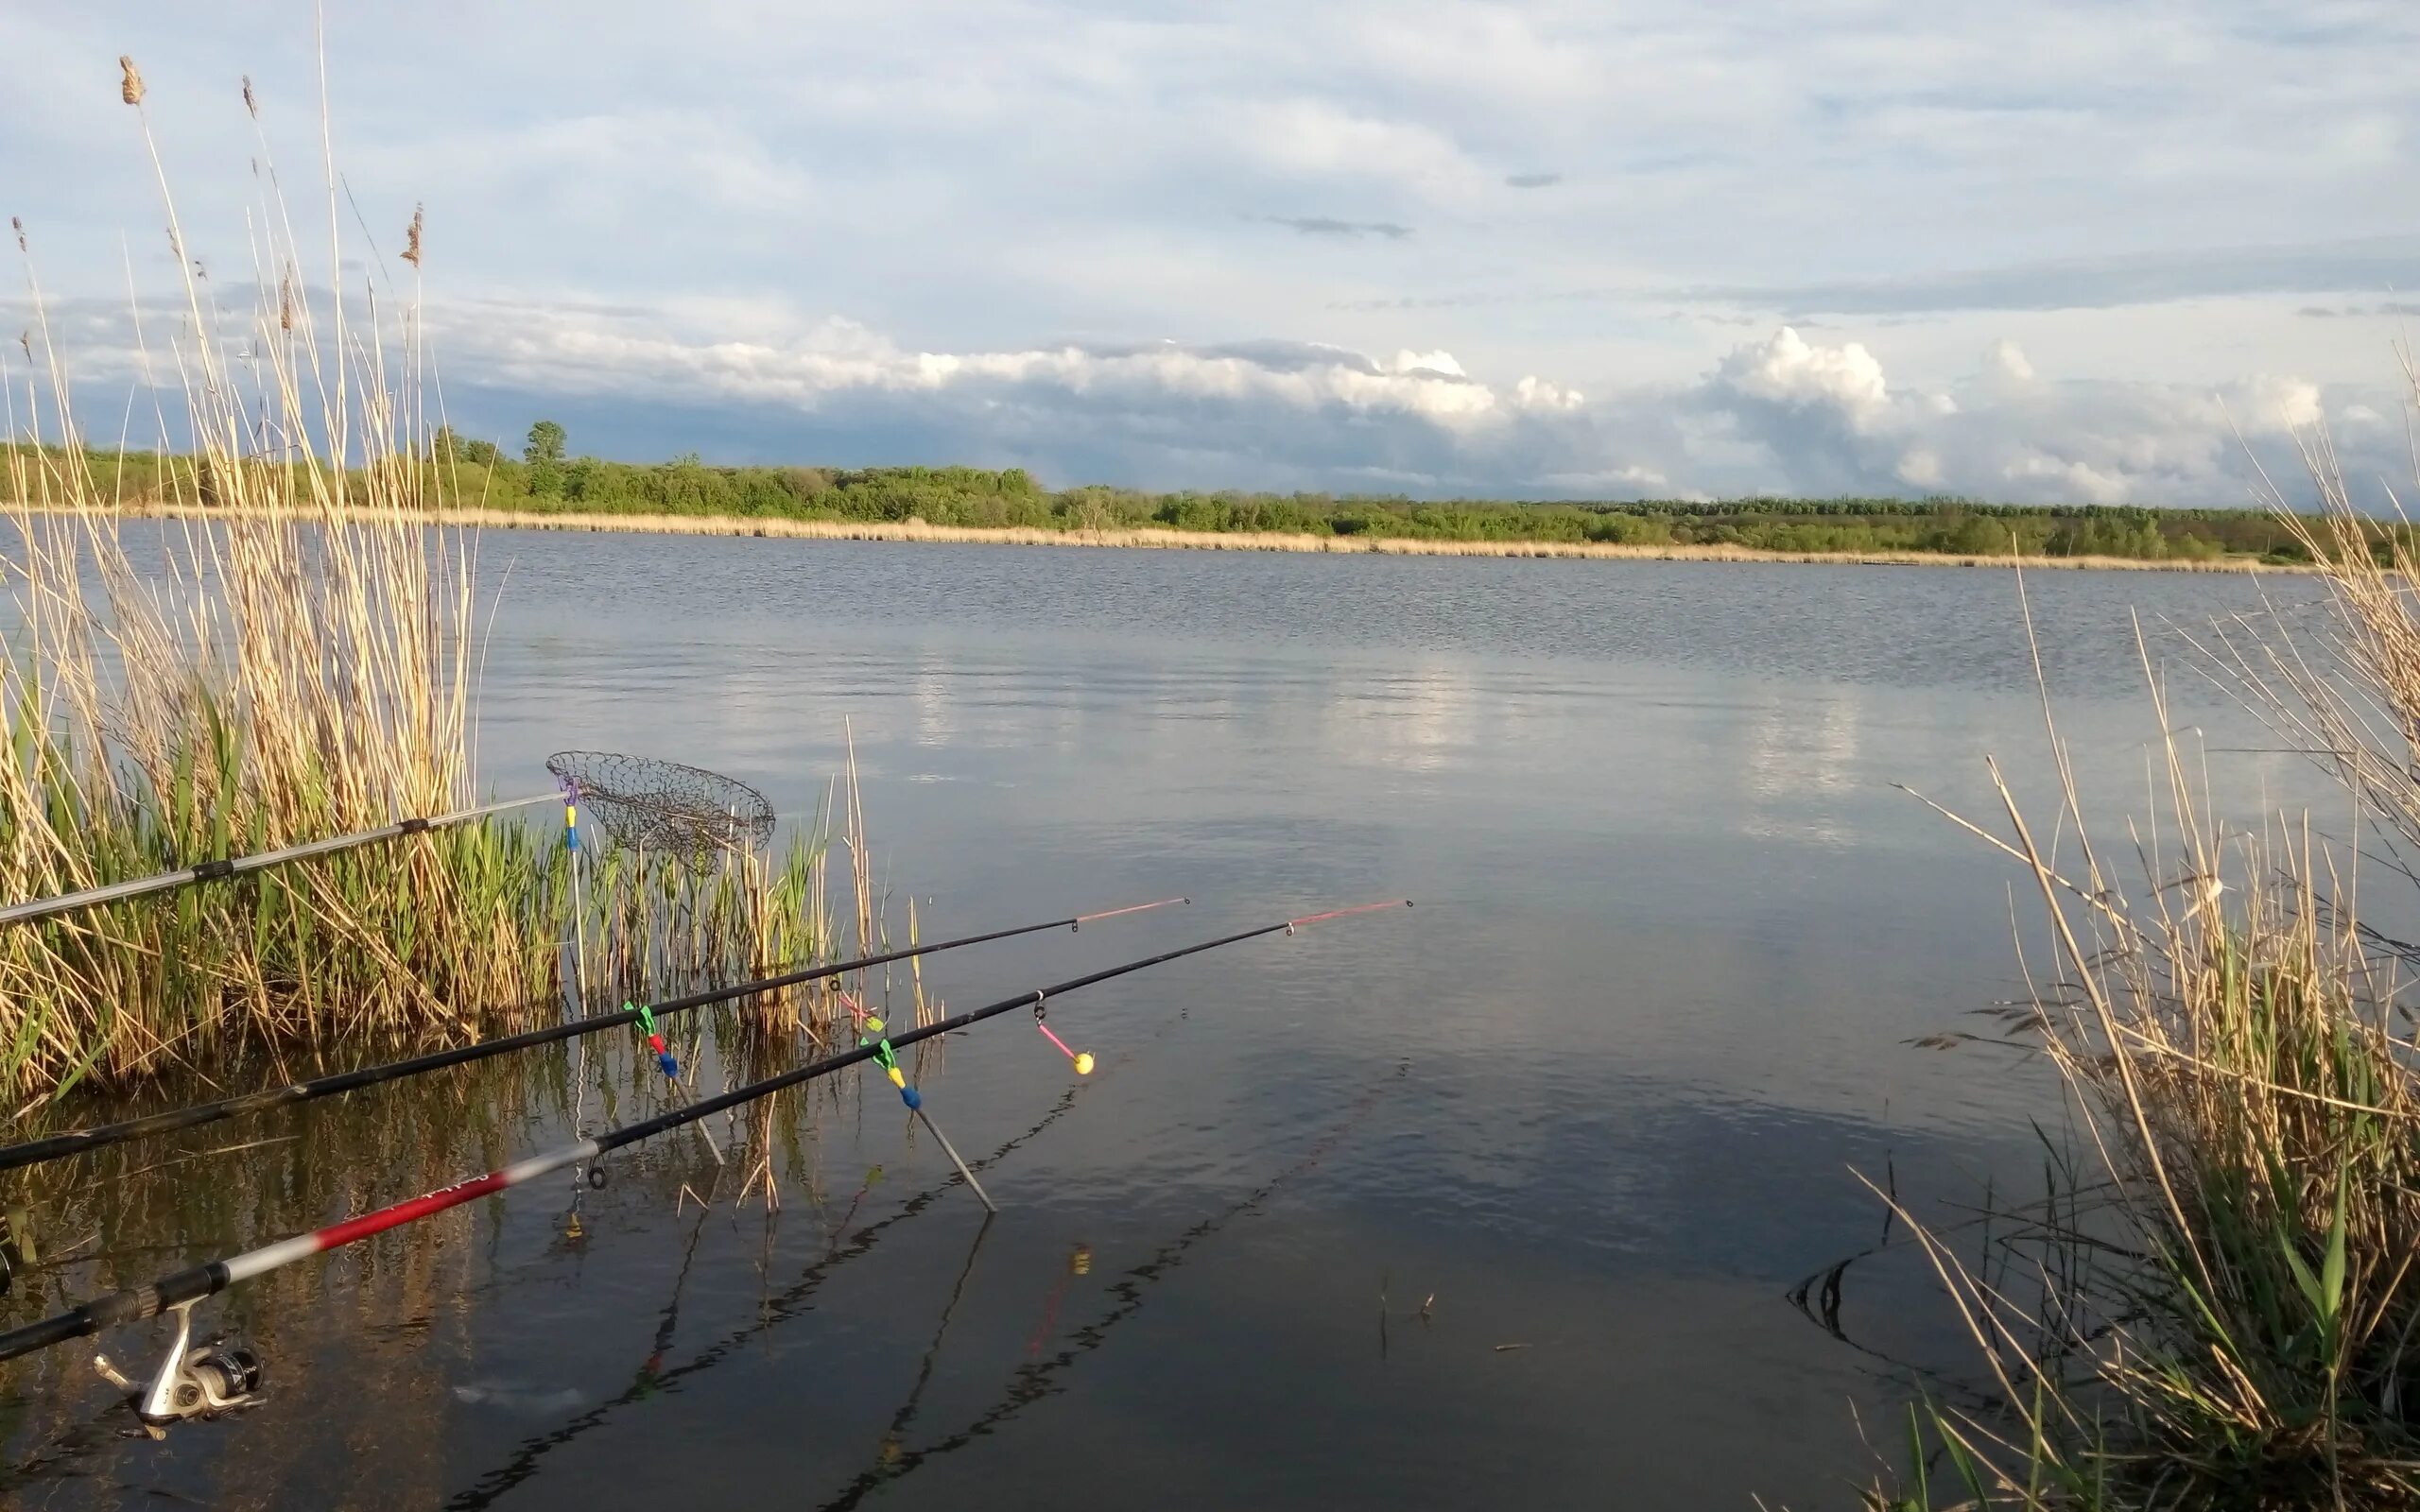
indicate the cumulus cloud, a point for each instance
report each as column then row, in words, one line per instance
column 1783, row 413
column 970, row 180
column 1921, row 469
column 1537, row 394
column 837, row 358
column 1259, row 414
column 1788, row 372
column 2005, row 360
column 1828, row 417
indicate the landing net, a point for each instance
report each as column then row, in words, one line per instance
column 662, row 806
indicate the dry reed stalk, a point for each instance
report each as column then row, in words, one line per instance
column 2230, row 1317
column 292, row 659
column 2235, row 1305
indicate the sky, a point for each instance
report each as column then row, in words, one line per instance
column 2099, row 252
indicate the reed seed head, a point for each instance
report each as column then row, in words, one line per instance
column 412, row 235
column 251, row 103
column 285, row 302
column 17, row 224
column 130, row 80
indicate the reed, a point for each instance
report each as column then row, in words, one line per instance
column 2217, row 1305
column 292, row 656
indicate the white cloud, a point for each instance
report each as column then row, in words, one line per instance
column 1780, row 414
column 2277, row 404
column 1827, row 418
column 1004, row 210
column 1919, row 469
column 576, row 352
column 1536, row 393
column 1785, row 369
column 1315, row 137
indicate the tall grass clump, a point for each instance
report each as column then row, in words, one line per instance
column 293, row 658
column 2218, row 1306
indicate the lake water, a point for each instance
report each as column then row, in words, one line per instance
column 1599, row 1101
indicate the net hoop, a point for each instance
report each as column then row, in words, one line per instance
column 665, row 807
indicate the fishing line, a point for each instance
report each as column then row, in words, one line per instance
column 178, row 1290
column 54, row 1146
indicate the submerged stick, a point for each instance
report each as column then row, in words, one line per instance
column 197, row 1281
column 52, row 1147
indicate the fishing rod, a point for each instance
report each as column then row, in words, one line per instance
column 26, row 912
column 641, row 801
column 792, row 1302
column 788, row 1304
column 203, row 1382
column 652, row 1373
column 54, row 1146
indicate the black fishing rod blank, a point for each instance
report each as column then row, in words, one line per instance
column 57, row 1147
column 25, row 913
column 181, row 1289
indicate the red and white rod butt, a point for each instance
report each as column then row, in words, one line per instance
column 337, row 1235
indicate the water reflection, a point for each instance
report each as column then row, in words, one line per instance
column 1798, row 760
column 1676, row 926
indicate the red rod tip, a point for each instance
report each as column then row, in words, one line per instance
column 1340, row 913
column 1137, row 908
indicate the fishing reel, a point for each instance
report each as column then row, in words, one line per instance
column 192, row 1382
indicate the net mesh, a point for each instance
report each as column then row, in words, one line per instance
column 664, row 806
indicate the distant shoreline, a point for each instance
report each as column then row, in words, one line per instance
column 775, row 529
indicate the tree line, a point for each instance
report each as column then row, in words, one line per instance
column 546, row 477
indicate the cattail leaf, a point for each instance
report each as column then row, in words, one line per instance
column 2331, row 1272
